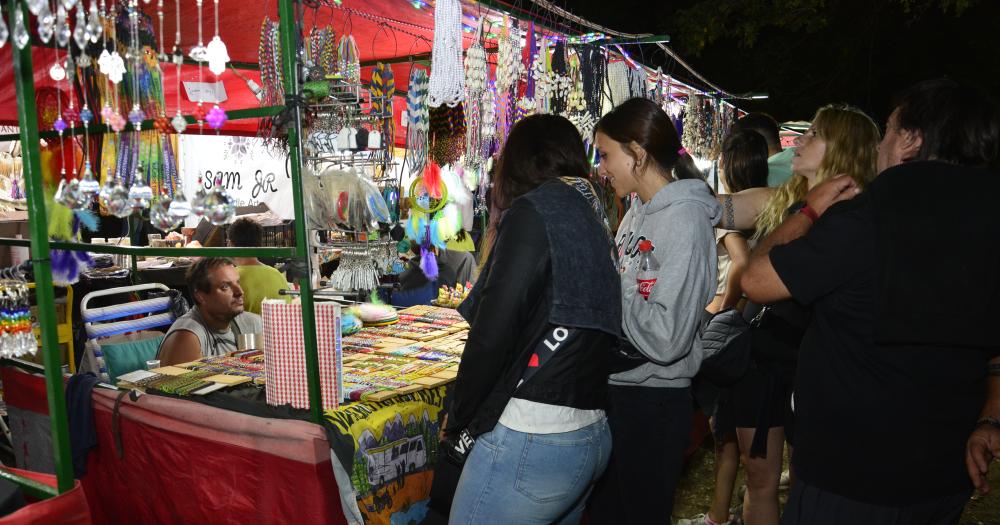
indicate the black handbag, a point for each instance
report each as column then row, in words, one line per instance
column 725, row 337
column 454, row 451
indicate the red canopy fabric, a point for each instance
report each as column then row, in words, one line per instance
column 383, row 29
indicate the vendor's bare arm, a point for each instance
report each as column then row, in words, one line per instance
column 181, row 347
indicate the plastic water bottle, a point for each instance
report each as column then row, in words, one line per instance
column 649, row 268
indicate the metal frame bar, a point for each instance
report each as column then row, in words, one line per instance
column 289, row 16
column 24, row 82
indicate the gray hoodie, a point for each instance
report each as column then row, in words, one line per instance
column 679, row 221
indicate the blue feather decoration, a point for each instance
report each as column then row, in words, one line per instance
column 428, row 263
column 88, row 219
column 435, row 235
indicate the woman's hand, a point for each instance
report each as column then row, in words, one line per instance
column 444, row 424
column 826, row 194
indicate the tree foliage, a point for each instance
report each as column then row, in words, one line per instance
column 743, row 21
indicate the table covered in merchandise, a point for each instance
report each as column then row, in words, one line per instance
column 226, row 459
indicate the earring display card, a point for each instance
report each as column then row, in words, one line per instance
column 206, row 92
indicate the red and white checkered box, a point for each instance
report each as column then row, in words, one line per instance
column 285, row 354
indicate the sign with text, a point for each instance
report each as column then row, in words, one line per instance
column 251, row 172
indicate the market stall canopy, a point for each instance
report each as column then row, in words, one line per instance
column 385, row 30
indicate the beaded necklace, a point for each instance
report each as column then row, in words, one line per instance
column 447, row 84
column 349, row 61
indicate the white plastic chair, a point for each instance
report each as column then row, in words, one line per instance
column 103, row 322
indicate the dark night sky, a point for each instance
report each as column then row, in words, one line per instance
column 865, row 51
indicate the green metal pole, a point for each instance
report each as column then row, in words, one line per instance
column 27, row 119
column 289, row 60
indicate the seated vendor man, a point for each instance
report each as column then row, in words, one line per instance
column 258, row 280
column 211, row 327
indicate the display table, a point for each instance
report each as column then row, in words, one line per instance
column 180, row 461
column 184, row 461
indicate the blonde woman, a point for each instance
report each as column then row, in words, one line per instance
column 841, row 141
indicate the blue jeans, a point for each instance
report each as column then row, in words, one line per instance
column 513, row 477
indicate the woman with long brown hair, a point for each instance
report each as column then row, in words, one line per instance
column 544, row 316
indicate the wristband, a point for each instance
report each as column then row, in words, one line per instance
column 988, row 421
column 809, row 212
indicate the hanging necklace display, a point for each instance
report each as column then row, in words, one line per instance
column 508, row 58
column 541, row 74
column 618, row 82
column 269, row 58
column 447, row 84
column 593, row 67
column 416, row 131
column 349, row 61
column 694, row 138
column 508, row 73
column 476, row 78
column 526, row 104
column 576, row 101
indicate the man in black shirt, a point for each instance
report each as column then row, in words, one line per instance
column 892, row 372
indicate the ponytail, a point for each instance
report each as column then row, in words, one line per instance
column 685, row 168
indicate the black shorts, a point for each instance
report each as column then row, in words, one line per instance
column 762, row 399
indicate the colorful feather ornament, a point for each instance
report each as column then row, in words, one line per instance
column 432, row 180
column 428, row 263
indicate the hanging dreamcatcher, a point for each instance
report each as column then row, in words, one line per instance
column 432, row 221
